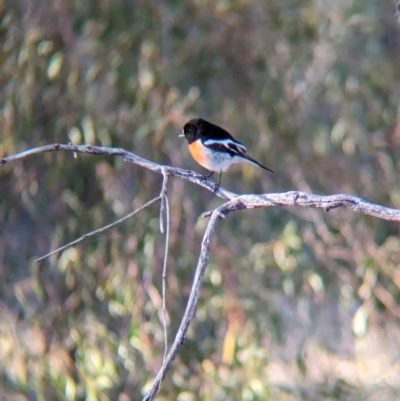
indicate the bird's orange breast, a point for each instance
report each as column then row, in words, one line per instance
column 198, row 153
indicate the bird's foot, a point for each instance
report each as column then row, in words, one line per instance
column 216, row 184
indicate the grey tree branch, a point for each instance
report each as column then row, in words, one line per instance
column 292, row 198
column 192, row 302
column 127, row 156
column 234, row 202
column 298, row 198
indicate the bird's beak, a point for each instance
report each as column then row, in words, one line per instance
column 181, row 135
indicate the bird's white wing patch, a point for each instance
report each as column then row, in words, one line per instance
column 229, row 144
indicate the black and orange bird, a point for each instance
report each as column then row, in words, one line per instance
column 215, row 148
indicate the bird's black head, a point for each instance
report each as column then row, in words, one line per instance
column 193, row 129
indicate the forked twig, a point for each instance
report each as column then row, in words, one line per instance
column 191, row 305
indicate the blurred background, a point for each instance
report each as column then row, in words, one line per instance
column 297, row 304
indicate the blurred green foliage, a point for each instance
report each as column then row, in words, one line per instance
column 296, row 304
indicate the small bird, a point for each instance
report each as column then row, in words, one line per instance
column 215, row 148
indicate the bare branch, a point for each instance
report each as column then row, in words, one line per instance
column 298, row 198
column 292, row 198
column 192, row 302
column 250, row 202
column 128, row 156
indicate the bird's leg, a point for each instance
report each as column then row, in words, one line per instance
column 217, row 185
column 219, row 180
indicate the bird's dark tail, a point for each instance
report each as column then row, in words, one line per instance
column 256, row 163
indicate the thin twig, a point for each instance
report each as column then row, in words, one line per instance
column 163, row 197
column 100, row 230
column 165, row 206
